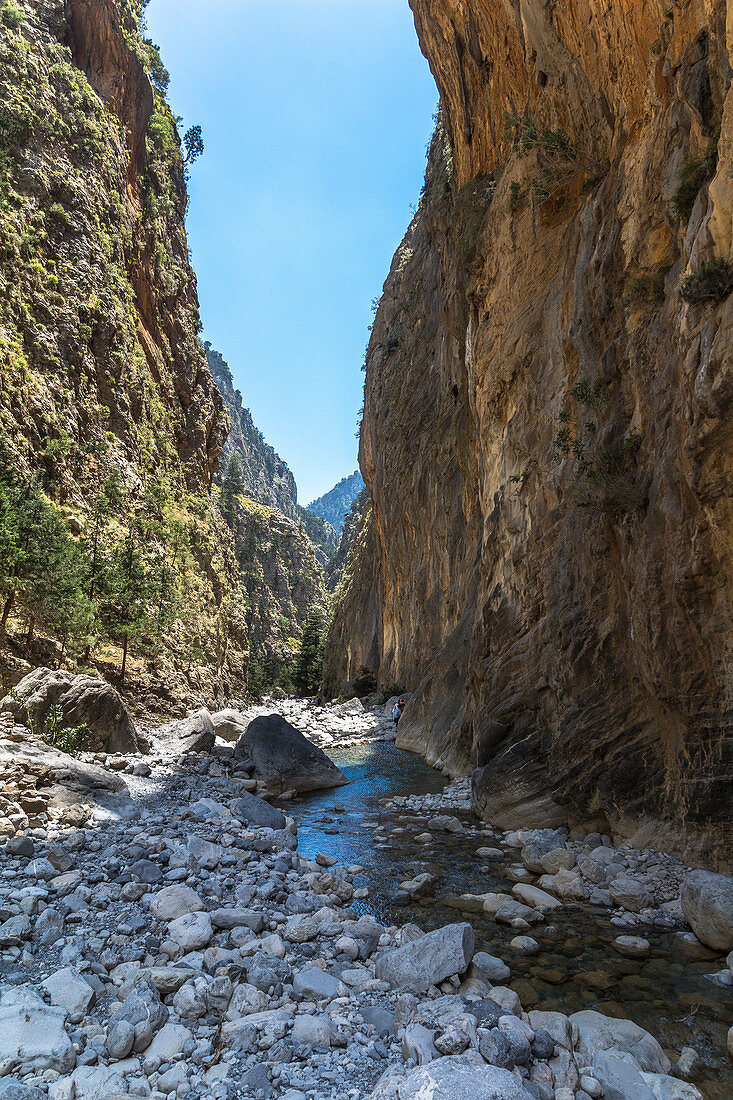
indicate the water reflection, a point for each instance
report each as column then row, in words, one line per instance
column 577, row 967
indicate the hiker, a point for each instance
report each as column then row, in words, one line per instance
column 397, row 711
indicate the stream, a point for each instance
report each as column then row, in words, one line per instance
column 577, row 967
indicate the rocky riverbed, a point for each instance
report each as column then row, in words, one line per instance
column 161, row 935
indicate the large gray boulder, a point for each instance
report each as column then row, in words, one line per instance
column 537, row 845
column 32, row 1034
column 73, row 782
column 620, row 1077
column 452, row 1079
column 195, row 733
column 428, row 960
column 597, row 1033
column 707, row 902
column 255, row 811
column 284, row 758
column 229, row 724
column 84, row 701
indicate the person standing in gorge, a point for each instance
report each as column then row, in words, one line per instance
column 397, row 711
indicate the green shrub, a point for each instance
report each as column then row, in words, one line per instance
column 647, row 289
column 693, row 174
column 12, row 16
column 69, row 739
column 712, row 282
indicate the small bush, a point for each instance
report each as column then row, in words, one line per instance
column 647, row 289
column 11, row 16
column 515, row 196
column 69, row 739
column 693, row 174
column 712, row 282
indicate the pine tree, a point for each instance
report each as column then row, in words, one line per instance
column 125, row 605
column 232, row 486
column 41, row 567
column 309, row 666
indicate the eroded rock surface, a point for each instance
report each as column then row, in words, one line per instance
column 547, row 545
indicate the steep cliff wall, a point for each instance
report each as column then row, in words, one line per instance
column 547, row 423
column 266, row 477
column 102, row 374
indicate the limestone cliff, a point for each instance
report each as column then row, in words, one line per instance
column 103, row 375
column 547, row 427
column 266, row 477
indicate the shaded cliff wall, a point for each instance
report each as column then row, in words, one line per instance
column 547, row 423
column 101, row 369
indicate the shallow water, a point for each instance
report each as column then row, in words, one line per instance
column 577, row 967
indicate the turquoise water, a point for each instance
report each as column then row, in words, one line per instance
column 577, row 967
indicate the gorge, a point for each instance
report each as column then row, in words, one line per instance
column 518, row 886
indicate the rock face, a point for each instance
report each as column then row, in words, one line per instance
column 335, row 505
column 104, row 376
column 84, row 700
column 285, row 759
column 266, row 476
column 545, row 417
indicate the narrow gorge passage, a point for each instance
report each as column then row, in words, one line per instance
column 423, row 791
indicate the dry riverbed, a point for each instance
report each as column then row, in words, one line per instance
column 161, row 935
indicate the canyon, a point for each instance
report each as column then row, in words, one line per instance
column 544, row 559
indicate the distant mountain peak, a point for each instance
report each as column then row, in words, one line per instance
column 335, row 505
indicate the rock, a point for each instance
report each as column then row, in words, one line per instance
column 488, row 967
column 707, row 902
column 536, row 898
column 425, row 962
column 20, row 847
column 417, row 1043
column 495, row 1048
column 229, row 724
column 204, row 853
column 70, row 991
column 316, row 984
column 381, row 1019
column 194, row 733
column 669, row 1088
column 84, row 701
column 556, row 1024
column 284, row 758
column 543, row 1045
column 597, row 1033
column 192, row 931
column 312, row 1031
column 633, row 947
column 146, row 871
column 256, row 811
column 12, row 1089
column 453, row 1079
column 629, row 893
column 169, row 1042
column 98, row 1083
column 538, row 844
column 120, row 1038
column 143, row 1009
column 420, row 884
column 620, row 1077
column 300, row 929
column 15, row 930
column 175, row 901
column 557, row 859
column 246, row 1001
column 525, row 945
column 32, row 1034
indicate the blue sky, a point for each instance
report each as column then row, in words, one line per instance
column 315, row 115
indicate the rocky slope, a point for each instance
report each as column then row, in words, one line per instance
column 266, row 477
column 334, row 506
column 547, row 422
column 103, row 375
column 282, row 580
